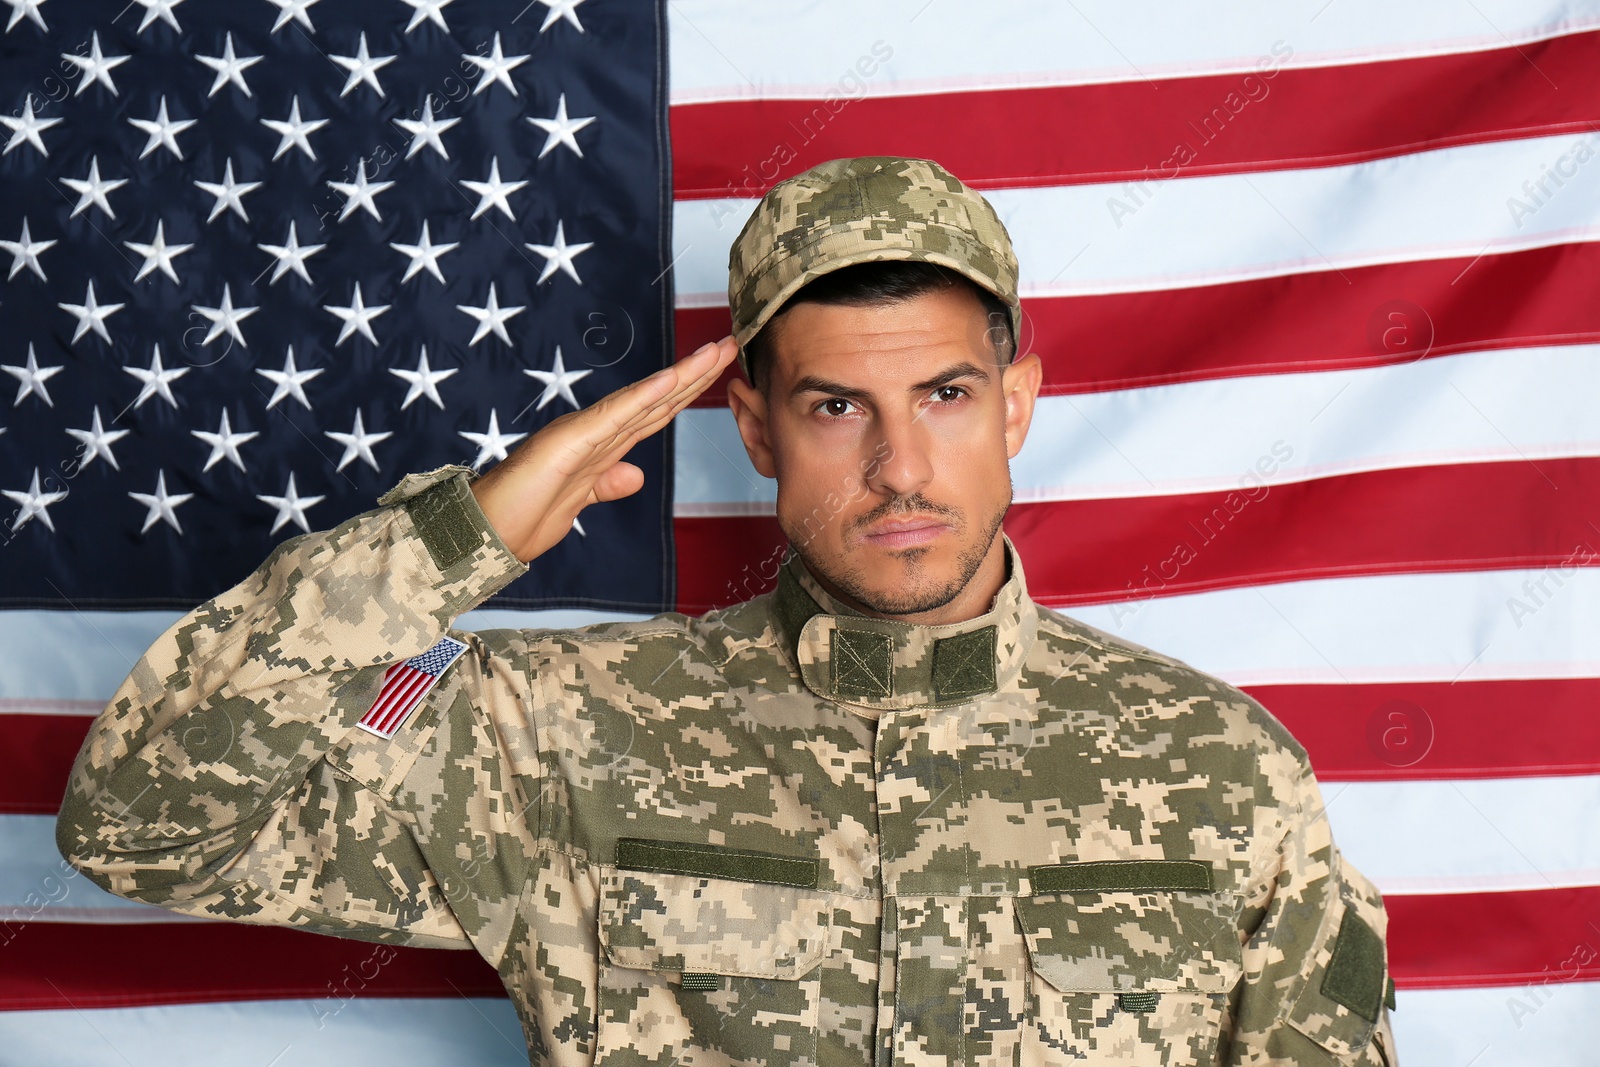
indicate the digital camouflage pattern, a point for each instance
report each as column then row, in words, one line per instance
column 782, row 833
column 849, row 211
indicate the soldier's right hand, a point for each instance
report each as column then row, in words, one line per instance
column 532, row 496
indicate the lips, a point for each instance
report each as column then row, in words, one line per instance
column 905, row 533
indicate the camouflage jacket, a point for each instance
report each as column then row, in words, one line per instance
column 782, row 833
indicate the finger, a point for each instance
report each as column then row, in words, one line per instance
column 629, row 420
column 617, row 481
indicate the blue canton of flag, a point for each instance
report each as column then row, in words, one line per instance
column 264, row 258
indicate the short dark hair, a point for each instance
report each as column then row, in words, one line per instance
column 879, row 282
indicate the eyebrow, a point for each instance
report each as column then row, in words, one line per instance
column 812, row 383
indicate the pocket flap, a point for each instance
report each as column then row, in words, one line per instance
column 1119, row 941
column 677, row 922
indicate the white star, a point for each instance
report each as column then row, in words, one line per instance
column 92, row 189
column 29, row 8
column 427, row 10
column 31, row 378
column 561, row 9
column 293, row 9
column 161, row 504
column 290, row 381
column 559, row 256
column 424, row 131
column 229, row 193
column 157, row 381
column 91, row 315
column 158, row 255
column 26, row 128
column 291, row 505
column 158, row 9
column 359, row 193
column 224, row 443
column 491, row 318
column 25, row 253
column 33, row 503
column 291, row 256
column 95, row 66
column 363, row 68
column 225, row 318
column 162, row 130
column 424, row 381
column 294, row 131
column 229, row 67
column 560, row 128
column 558, row 382
column 491, row 445
column 356, row 316
column 424, row 255
column 358, row 442
column 492, row 192
column 496, row 67
column 96, row 442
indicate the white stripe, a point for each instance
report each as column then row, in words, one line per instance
column 1452, row 836
column 1495, row 1026
column 1189, row 231
column 1227, row 433
column 409, row 1032
column 724, row 51
column 1471, row 835
column 1459, row 626
column 69, row 663
column 1542, row 1024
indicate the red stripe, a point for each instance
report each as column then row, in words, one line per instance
column 1481, row 939
column 1421, row 730
column 1330, row 320
column 1435, row 941
column 71, row 965
column 1415, row 519
column 383, row 693
column 1133, row 129
column 403, row 684
column 39, row 753
column 403, row 700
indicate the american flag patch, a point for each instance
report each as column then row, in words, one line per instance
column 405, row 684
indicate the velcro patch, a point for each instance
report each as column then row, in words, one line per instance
column 716, row 861
column 1095, row 876
column 405, row 684
column 1355, row 976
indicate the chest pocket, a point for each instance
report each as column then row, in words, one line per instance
column 711, row 955
column 1128, row 961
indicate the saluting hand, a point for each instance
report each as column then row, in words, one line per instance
column 532, row 496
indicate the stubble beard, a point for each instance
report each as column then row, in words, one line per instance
column 852, row 582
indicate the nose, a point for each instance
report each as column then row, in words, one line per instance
column 899, row 463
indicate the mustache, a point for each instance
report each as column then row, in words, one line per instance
column 913, row 506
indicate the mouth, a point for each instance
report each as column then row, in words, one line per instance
column 905, row 533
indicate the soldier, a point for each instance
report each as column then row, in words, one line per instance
column 892, row 812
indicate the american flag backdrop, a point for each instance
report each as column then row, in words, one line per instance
column 1315, row 285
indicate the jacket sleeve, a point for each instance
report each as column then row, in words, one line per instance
column 227, row 778
column 1316, row 979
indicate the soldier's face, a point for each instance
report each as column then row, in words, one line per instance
column 889, row 429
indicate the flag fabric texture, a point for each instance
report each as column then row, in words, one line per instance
column 1313, row 285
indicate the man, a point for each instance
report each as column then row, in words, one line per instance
column 892, row 812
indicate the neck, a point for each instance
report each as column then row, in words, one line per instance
column 975, row 598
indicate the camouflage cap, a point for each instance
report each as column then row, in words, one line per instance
column 870, row 208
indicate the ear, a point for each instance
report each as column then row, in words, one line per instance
column 1020, row 383
column 749, row 409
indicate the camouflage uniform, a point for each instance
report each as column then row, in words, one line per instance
column 782, row 833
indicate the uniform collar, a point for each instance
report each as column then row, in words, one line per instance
column 881, row 664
